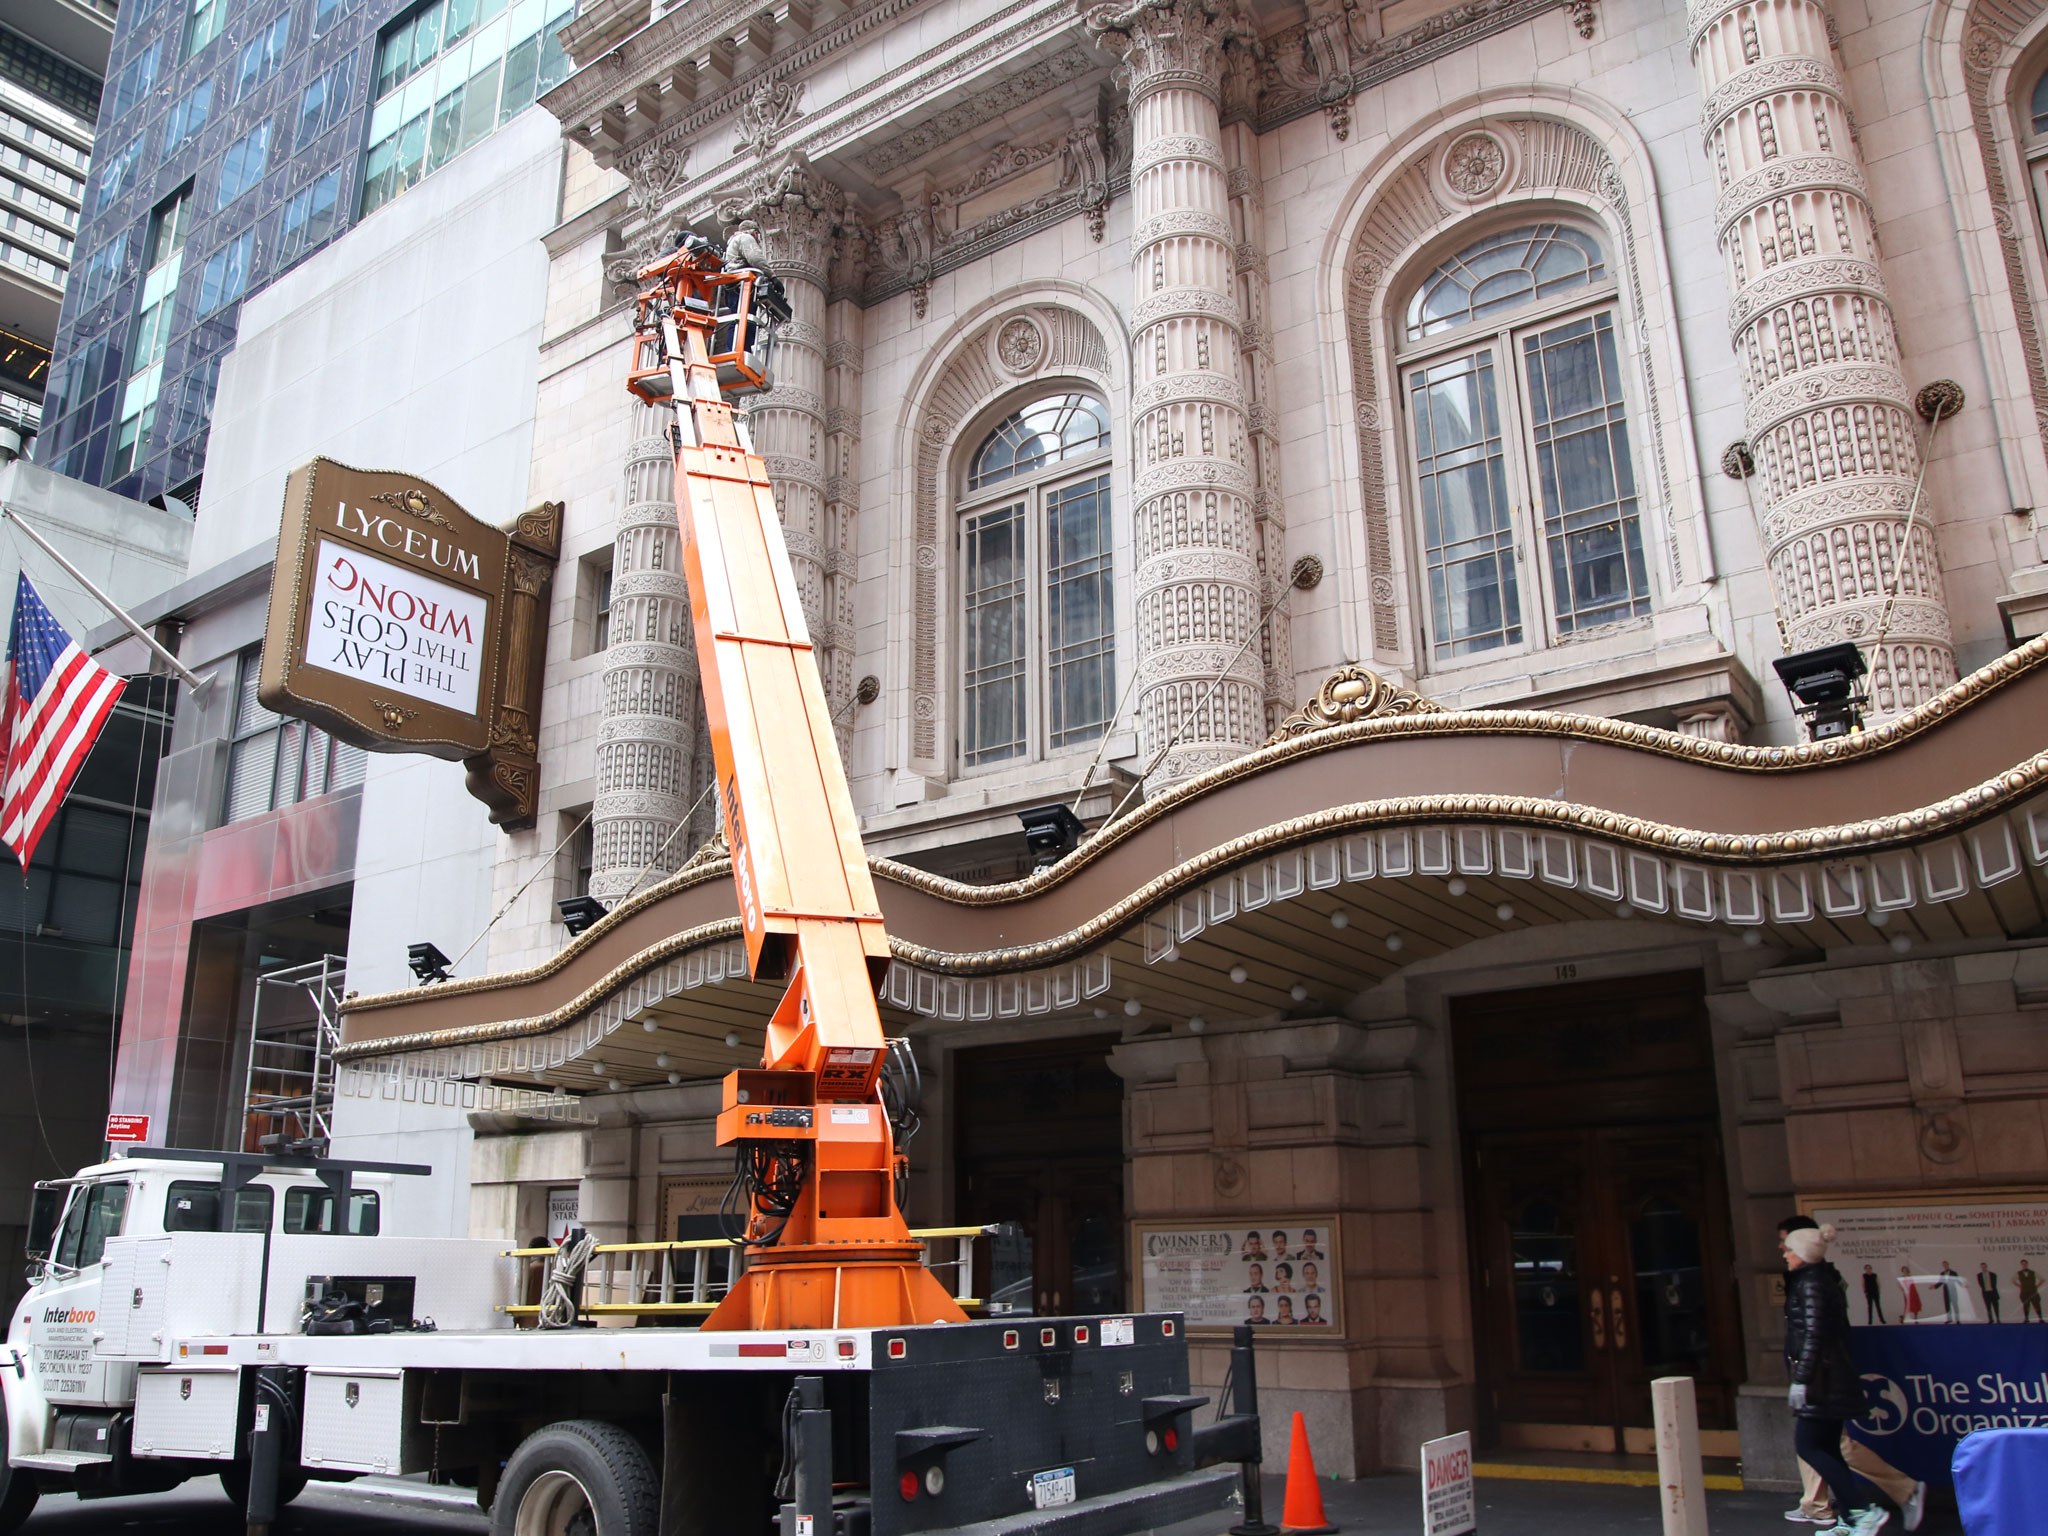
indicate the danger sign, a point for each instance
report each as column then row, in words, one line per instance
column 1448, row 1508
column 127, row 1127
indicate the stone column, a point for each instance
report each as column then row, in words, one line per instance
column 651, row 698
column 1194, row 529
column 1829, row 416
column 794, row 211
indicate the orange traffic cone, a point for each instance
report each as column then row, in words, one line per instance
column 1302, row 1512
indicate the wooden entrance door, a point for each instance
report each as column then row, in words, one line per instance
column 1598, row 1211
column 1595, row 1278
column 1061, row 1252
column 1040, row 1151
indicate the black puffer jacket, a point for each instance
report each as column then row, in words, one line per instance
column 1817, row 1343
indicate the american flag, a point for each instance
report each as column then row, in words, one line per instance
column 57, row 699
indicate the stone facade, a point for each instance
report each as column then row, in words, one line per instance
column 1214, row 217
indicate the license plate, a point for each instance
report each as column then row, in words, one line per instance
column 1049, row 1490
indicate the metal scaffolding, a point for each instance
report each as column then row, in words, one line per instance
column 289, row 1089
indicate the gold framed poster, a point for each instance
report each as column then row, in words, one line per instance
column 1278, row 1273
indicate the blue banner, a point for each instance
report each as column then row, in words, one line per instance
column 1930, row 1384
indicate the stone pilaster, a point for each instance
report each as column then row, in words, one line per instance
column 1195, row 528
column 794, row 210
column 1262, row 424
column 1829, row 415
column 651, row 700
column 844, row 353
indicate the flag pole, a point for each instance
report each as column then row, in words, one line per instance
column 192, row 679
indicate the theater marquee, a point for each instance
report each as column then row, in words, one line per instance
column 401, row 623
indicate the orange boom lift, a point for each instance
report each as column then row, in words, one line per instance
column 826, row 1243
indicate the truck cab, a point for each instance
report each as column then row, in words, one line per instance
column 106, row 1291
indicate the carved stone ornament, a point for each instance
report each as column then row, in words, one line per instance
column 1475, row 164
column 1172, row 42
column 767, row 112
column 654, row 179
column 1350, row 694
column 1585, row 15
column 1020, row 344
column 1737, row 463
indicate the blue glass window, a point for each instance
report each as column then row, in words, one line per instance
column 325, row 102
column 136, row 80
column 114, row 178
column 203, row 23
column 262, row 54
column 450, row 71
column 227, row 273
column 327, row 12
column 103, row 271
column 188, row 116
column 243, row 165
column 308, row 219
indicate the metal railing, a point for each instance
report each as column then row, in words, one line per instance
column 690, row 1278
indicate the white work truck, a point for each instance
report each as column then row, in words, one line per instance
column 246, row 1316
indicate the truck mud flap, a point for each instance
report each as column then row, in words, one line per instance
column 1129, row 1513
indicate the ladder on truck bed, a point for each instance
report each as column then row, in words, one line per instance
column 688, row 1279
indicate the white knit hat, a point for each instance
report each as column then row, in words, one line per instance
column 1810, row 1243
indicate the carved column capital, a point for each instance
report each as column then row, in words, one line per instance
column 1172, row 42
column 796, row 211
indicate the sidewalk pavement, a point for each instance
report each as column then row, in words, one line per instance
column 1391, row 1505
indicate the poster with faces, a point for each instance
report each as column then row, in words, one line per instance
column 1279, row 1273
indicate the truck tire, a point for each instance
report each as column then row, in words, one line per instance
column 581, row 1477
column 234, row 1482
column 18, row 1495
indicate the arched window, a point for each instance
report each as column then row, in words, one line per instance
column 1038, row 643
column 1528, row 514
column 2034, row 144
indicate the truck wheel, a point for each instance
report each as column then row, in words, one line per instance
column 577, row 1478
column 18, row 1495
column 234, row 1482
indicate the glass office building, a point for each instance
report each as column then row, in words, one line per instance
column 236, row 138
column 52, row 58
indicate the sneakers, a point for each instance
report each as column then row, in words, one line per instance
column 1870, row 1521
column 1915, row 1507
column 1797, row 1513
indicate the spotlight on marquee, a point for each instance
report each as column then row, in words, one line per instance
column 1051, row 832
column 579, row 912
column 427, row 962
column 1826, row 690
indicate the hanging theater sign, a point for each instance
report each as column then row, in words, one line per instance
column 401, row 623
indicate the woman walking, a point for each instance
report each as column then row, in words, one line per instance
column 1826, row 1389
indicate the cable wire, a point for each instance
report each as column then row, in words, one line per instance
column 559, row 1307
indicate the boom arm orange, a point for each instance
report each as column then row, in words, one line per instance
column 830, row 1248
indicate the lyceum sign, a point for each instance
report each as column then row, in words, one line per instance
column 401, row 623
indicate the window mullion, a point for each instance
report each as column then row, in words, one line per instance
column 1525, row 482
column 1037, row 664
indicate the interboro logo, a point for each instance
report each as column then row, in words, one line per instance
column 68, row 1315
